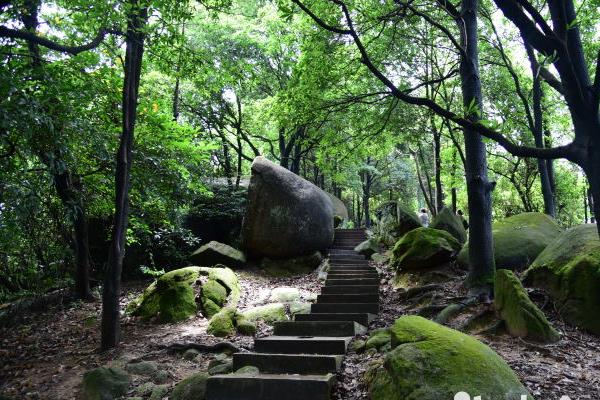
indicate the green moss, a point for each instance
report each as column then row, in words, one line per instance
column 518, row 240
column 226, row 277
column 245, row 327
column 394, row 221
column 171, row 297
column 222, row 324
column 191, row 388
column 367, row 248
column 569, row 269
column 378, row 339
column 213, row 297
column 432, row 362
column 522, row 317
column 424, row 248
column 105, row 384
column 448, row 221
column 269, row 313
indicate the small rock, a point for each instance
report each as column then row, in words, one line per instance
column 144, row 389
column 105, row 383
column 159, row 392
column 248, row 369
column 190, row 354
column 224, row 367
column 284, row 294
column 145, row 368
column 191, row 388
column 160, row 376
column 358, row 345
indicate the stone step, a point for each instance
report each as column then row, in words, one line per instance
column 318, row 328
column 340, row 262
column 348, row 298
column 348, row 260
column 352, row 274
column 350, row 289
column 356, row 267
column 302, row 344
column 361, row 318
column 372, row 308
column 346, row 256
column 276, row 363
column 343, row 247
column 354, row 281
column 269, row 387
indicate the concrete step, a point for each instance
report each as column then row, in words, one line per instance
column 344, row 260
column 275, row 363
column 354, row 281
column 318, row 328
column 352, row 274
column 361, row 318
column 354, row 267
column 302, row 344
column 346, row 256
column 372, row 308
column 350, row 289
column 269, row 387
column 348, row 298
column 343, row 247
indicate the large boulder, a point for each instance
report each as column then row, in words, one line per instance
column 287, row 216
column 569, row 269
column 432, row 362
column 448, row 221
column 518, row 240
column 339, row 208
column 368, row 247
column 424, row 248
column 172, row 297
column 521, row 316
column 191, row 388
column 394, row 220
column 213, row 253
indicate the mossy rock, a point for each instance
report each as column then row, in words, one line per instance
column 291, row 266
column 518, row 240
column 394, row 220
column 378, row 339
column 269, row 313
column 367, row 248
column 433, row 362
column 448, row 221
column 172, row 297
column 213, row 295
column 284, row 295
column 569, row 269
column 424, row 248
column 213, row 253
column 522, row 317
column 222, row 323
column 191, row 388
column 245, row 327
column 105, row 383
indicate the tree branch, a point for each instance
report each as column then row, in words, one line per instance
column 33, row 38
column 566, row 151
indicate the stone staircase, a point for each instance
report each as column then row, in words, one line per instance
column 300, row 360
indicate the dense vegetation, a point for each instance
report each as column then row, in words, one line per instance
column 367, row 99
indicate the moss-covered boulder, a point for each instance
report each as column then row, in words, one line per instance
column 424, row 248
column 191, row 388
column 213, row 253
column 269, row 313
column 222, row 323
column 569, row 269
column 518, row 240
column 367, row 248
column 245, row 327
column 394, row 220
column 379, row 339
column 448, row 221
column 433, row 362
column 291, row 266
column 104, row 384
column 522, row 317
column 339, row 208
column 173, row 296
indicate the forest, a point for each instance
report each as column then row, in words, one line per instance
column 183, row 183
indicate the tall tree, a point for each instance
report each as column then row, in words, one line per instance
column 135, row 35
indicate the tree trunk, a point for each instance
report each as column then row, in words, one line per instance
column 227, row 164
column 134, row 51
column 69, row 195
column 439, row 194
column 538, row 135
column 481, row 249
column 239, row 164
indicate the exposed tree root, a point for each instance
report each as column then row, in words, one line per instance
column 412, row 292
column 482, row 314
column 212, row 348
column 454, row 309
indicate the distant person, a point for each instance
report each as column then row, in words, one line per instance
column 462, row 218
column 424, row 217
